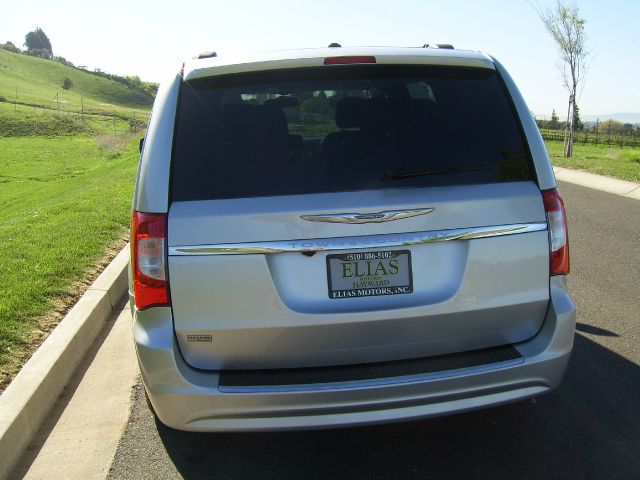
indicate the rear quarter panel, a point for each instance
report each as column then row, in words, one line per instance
column 152, row 185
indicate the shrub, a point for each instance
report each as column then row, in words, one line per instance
column 67, row 83
column 151, row 88
column 40, row 52
column 135, row 124
column 10, row 47
column 64, row 61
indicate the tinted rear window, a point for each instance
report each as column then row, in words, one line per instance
column 344, row 128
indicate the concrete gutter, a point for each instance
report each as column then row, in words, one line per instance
column 30, row 396
column 623, row 188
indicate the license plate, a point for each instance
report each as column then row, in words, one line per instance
column 369, row 274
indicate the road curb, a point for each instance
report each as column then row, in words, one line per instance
column 623, row 188
column 32, row 393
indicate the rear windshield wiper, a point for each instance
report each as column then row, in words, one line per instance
column 387, row 177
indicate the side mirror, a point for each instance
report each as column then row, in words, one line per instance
column 141, row 144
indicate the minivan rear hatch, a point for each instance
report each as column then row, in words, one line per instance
column 352, row 214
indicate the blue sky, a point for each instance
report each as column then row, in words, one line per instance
column 149, row 38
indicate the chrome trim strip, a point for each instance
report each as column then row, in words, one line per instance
column 357, row 242
column 358, row 218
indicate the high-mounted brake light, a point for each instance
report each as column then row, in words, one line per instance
column 349, row 60
column 558, row 236
column 149, row 257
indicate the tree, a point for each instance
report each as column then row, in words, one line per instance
column 577, row 121
column 38, row 44
column 566, row 27
column 554, row 122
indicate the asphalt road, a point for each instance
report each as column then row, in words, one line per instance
column 588, row 428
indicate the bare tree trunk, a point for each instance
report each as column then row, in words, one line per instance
column 569, row 152
column 568, row 145
column 566, row 128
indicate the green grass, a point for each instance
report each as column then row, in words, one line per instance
column 64, row 202
column 38, row 81
column 611, row 161
column 21, row 120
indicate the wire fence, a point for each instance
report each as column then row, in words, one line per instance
column 114, row 121
column 631, row 140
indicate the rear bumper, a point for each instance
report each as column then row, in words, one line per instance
column 189, row 399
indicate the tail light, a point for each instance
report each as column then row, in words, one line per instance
column 149, row 257
column 558, row 236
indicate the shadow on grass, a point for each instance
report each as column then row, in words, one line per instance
column 589, row 427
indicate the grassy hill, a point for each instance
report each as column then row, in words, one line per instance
column 39, row 81
column 67, row 172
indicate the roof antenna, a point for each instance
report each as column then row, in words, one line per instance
column 446, row 46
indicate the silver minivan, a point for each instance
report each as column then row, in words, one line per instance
column 345, row 236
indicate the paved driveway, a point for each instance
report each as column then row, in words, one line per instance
column 588, row 428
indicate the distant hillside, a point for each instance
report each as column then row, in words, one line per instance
column 630, row 117
column 38, row 81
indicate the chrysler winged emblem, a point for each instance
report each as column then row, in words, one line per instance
column 386, row 216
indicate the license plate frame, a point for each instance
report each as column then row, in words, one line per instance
column 368, row 277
